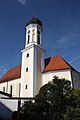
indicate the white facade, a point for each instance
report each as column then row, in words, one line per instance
column 6, row 87
column 60, row 73
column 68, row 74
column 7, row 106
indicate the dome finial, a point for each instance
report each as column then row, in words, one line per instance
column 34, row 14
column 34, row 20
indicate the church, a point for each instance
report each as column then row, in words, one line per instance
column 26, row 79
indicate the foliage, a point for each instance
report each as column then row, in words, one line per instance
column 34, row 111
column 55, row 101
column 54, row 93
column 72, row 105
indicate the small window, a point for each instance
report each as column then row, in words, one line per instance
column 27, row 69
column 3, row 89
column 28, row 31
column 38, row 39
column 33, row 37
column 38, row 32
column 26, row 87
column 27, row 55
column 11, row 89
column 28, row 39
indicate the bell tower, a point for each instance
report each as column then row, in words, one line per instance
column 33, row 32
column 31, row 73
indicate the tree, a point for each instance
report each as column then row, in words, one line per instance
column 34, row 111
column 72, row 105
column 55, row 101
column 54, row 93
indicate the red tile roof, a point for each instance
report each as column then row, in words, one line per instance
column 55, row 63
column 12, row 73
column 51, row 64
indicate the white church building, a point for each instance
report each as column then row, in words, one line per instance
column 26, row 79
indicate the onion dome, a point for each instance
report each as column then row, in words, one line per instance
column 34, row 20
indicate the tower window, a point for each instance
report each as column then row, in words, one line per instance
column 28, row 31
column 26, row 87
column 3, row 89
column 38, row 32
column 27, row 55
column 33, row 34
column 28, row 39
column 11, row 89
column 27, row 69
column 38, row 37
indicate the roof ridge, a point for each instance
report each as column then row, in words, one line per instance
column 52, row 56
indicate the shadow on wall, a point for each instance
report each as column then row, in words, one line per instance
column 5, row 113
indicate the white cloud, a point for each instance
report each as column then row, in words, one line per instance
column 3, row 69
column 62, row 40
column 23, row 2
column 74, row 59
column 67, row 40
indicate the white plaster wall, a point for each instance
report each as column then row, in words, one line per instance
column 48, row 76
column 4, row 84
column 32, row 78
column 15, row 86
column 11, row 104
column 7, row 106
column 26, row 77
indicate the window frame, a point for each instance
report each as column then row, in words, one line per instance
column 25, row 86
column 11, row 89
column 3, row 89
column 27, row 69
column 27, row 55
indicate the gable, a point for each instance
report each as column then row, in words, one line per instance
column 55, row 63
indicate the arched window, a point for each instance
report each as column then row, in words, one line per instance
column 11, row 89
column 28, row 37
column 3, row 89
column 33, row 35
column 38, row 37
column 28, row 31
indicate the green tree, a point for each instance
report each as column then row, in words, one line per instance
column 34, row 111
column 55, row 101
column 54, row 93
column 72, row 105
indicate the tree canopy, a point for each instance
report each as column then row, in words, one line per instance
column 56, row 100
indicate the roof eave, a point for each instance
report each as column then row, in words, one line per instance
column 56, row 70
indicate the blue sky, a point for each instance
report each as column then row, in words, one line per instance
column 61, row 29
